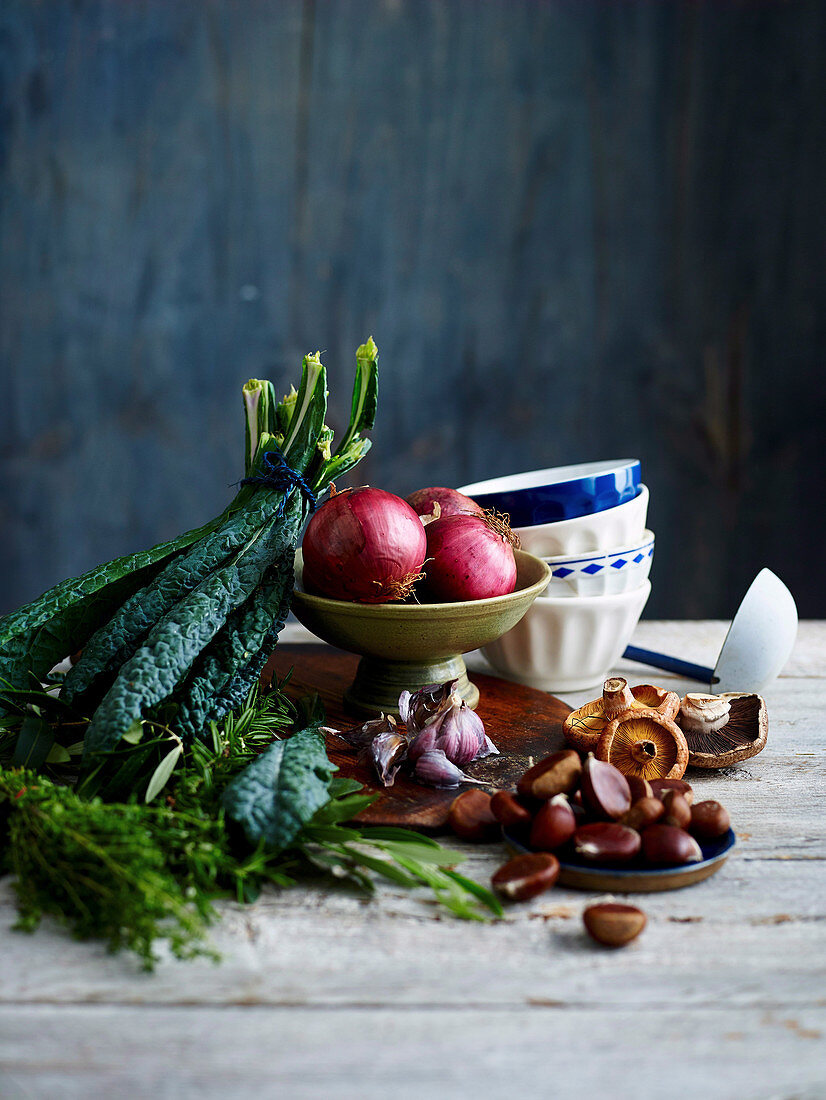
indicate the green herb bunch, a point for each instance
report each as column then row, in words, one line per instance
column 135, row 872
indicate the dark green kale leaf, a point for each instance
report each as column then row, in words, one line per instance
column 280, row 792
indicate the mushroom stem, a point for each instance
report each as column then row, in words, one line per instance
column 703, row 713
column 643, row 751
column 616, row 697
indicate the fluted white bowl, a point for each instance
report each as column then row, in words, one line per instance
column 601, row 573
column 620, row 526
column 568, row 643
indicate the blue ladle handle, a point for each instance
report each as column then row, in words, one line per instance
column 670, row 664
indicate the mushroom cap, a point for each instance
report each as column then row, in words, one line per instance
column 743, row 736
column 584, row 727
column 644, row 742
column 657, row 698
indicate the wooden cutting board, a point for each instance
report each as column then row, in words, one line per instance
column 523, row 723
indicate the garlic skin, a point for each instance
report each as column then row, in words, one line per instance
column 361, row 736
column 701, row 713
column 418, row 709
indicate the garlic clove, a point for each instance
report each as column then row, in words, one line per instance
column 388, row 750
column 461, row 734
column 434, row 769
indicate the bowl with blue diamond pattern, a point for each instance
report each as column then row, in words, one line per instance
column 602, row 573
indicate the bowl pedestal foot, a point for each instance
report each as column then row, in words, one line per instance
column 379, row 682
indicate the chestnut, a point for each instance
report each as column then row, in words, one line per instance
column 554, row 824
column 509, row 811
column 557, row 774
column 604, row 788
column 613, row 924
column 643, row 812
column 639, row 788
column 471, row 817
column 526, row 876
column 677, row 809
column 606, row 842
column 666, row 844
column 709, row 820
column 660, row 786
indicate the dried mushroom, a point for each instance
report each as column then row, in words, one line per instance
column 723, row 729
column 645, row 743
column 584, row 727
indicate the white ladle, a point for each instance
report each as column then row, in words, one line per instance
column 757, row 646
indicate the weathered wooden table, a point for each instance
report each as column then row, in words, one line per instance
column 321, row 994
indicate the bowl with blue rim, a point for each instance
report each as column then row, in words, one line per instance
column 560, row 492
column 602, row 573
column 635, row 877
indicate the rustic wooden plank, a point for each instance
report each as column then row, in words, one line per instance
column 751, row 936
column 460, row 1052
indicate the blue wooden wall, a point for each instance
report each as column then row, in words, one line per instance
column 576, row 230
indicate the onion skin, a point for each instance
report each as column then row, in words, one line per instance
column 467, row 560
column 450, row 501
column 363, row 545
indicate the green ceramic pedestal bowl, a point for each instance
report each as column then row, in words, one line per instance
column 407, row 645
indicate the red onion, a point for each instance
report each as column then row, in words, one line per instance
column 364, row 545
column 469, row 558
column 450, row 501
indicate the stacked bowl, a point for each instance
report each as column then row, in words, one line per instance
column 588, row 523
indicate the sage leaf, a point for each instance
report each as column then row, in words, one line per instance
column 58, row 755
column 34, row 743
column 134, row 733
column 162, row 773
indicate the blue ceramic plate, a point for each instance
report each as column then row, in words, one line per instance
column 582, row 875
column 563, row 492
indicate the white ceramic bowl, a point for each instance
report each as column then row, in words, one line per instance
column 602, row 574
column 569, row 643
column 620, row 526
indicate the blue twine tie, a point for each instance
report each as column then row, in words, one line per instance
column 277, row 474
